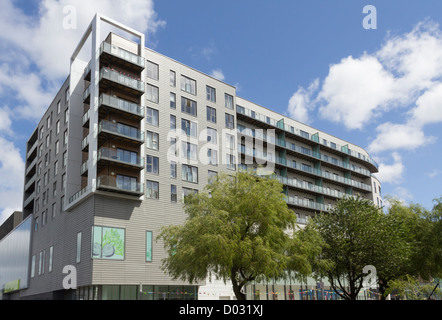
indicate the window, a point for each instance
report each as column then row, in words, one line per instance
column 188, row 106
column 306, row 167
column 212, row 156
column 211, row 175
column 230, row 121
column 149, row 246
column 54, row 189
column 188, row 191
column 188, row 85
column 228, row 101
column 48, row 140
column 172, row 100
column 230, row 141
column 189, row 150
column 231, row 161
column 173, row 149
column 152, row 116
column 152, row 140
column 65, row 158
column 173, row 193
column 67, row 94
column 33, row 267
column 57, row 127
column 151, row 70
column 36, row 224
column 66, row 115
column 65, row 137
column 55, row 168
column 172, row 122
column 211, row 114
column 51, row 254
column 63, row 181
column 152, row 93
column 108, row 243
column 172, row 78
column 189, row 173
column 48, row 122
column 211, row 94
column 189, row 128
column 58, row 107
column 152, row 164
column 127, row 183
column 212, row 136
column 152, row 189
column 173, row 169
column 57, row 147
column 54, row 205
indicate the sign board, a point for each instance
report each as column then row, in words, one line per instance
column 12, row 286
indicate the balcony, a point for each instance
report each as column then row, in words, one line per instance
column 127, row 108
column 110, row 78
column 108, row 156
column 28, row 200
column 111, row 183
column 310, row 187
column 307, row 204
column 87, row 95
column 120, row 131
column 304, row 169
column 114, row 54
column 263, row 121
column 32, row 149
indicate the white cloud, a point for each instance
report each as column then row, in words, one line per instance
column 300, row 103
column 434, row 173
column 391, row 136
column 391, row 173
column 429, row 109
column 218, row 74
column 354, row 91
column 11, row 179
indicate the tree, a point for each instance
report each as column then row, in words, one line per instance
column 238, row 229
column 357, row 234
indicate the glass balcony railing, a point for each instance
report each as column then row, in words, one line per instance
column 308, row 204
column 122, row 54
column 87, row 93
column 121, row 130
column 301, row 167
column 122, row 79
column 123, row 185
column 311, row 187
column 305, row 151
column 120, row 156
column 313, row 137
column 121, row 104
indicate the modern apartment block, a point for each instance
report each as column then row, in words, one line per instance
column 129, row 134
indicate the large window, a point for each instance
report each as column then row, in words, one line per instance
column 108, row 243
column 211, row 94
column 173, row 193
column 229, row 101
column 230, row 121
column 149, row 246
column 152, row 140
column 190, row 150
column 126, row 182
column 152, row 93
column 152, row 116
column 188, row 85
column 152, row 164
column 211, row 114
column 188, row 106
column 127, row 156
column 189, row 128
column 212, row 136
column 189, row 173
column 152, row 189
column 151, row 70
column 78, row 258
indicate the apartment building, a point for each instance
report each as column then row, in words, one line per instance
column 132, row 132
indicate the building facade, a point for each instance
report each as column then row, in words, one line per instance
column 129, row 134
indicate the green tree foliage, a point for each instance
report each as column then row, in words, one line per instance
column 358, row 234
column 239, row 229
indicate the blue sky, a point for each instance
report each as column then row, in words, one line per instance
column 311, row 60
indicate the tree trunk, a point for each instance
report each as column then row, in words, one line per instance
column 237, row 287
